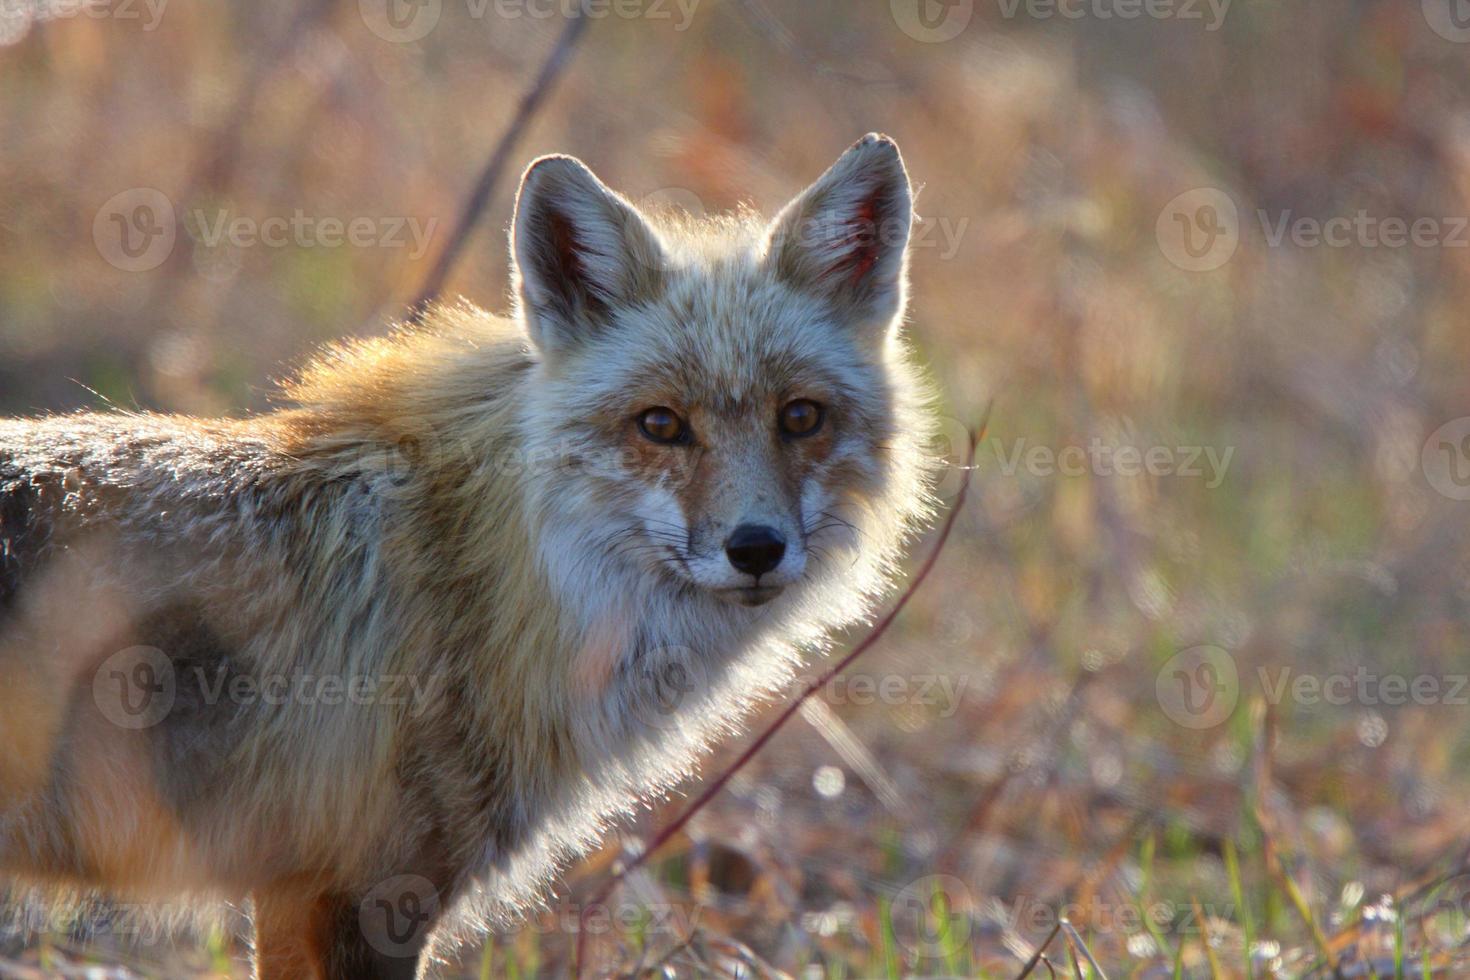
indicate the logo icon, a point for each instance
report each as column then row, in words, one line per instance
column 931, row 915
column 400, row 21
column 396, row 915
column 1198, row 687
column 1445, row 459
column 1450, row 19
column 1199, row 230
column 1444, row 917
column 932, row 21
column 135, row 230
column 135, row 688
column 673, row 681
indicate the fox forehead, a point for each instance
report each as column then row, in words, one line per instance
column 728, row 338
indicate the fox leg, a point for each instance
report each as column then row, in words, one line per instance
column 291, row 935
column 333, row 936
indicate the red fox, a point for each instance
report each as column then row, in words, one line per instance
column 388, row 657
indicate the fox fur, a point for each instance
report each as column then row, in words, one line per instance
column 200, row 619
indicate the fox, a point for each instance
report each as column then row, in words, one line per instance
column 381, row 660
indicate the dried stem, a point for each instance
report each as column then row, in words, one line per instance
column 1039, row 956
column 479, row 197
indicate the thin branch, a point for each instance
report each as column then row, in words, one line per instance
column 1039, row 956
column 214, row 170
column 811, row 688
column 474, row 205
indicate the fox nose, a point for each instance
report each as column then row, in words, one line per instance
column 755, row 548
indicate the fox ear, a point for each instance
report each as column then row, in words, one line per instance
column 845, row 238
column 578, row 251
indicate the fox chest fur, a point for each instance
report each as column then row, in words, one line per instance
column 481, row 587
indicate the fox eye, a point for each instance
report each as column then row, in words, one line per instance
column 663, row 425
column 801, row 417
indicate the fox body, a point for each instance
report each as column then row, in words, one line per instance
column 410, row 642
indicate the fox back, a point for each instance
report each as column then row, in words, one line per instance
column 477, row 588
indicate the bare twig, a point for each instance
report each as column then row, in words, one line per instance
column 474, row 205
column 811, row 688
column 1040, row 955
column 214, row 170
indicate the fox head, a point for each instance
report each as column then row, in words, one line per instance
column 730, row 397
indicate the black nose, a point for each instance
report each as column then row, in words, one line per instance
column 755, row 548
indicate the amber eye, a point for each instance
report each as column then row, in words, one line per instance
column 662, row 425
column 801, row 417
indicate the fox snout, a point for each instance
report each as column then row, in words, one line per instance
column 757, row 551
column 755, row 548
column 750, row 556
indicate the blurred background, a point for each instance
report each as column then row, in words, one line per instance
column 1191, row 673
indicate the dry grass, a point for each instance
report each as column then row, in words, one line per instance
column 1018, row 748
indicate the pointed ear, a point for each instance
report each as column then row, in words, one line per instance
column 578, row 251
column 845, row 238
